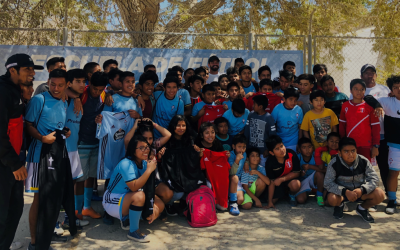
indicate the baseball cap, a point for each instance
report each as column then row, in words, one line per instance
column 213, row 58
column 367, row 66
column 21, row 60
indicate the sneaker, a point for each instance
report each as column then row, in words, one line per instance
column 107, row 219
column 220, row 208
column 15, row 245
column 292, row 201
column 338, row 212
column 81, row 223
column 391, row 207
column 138, row 236
column 171, row 210
column 91, row 213
column 320, row 201
column 59, row 239
column 345, row 207
column 373, row 209
column 365, row 215
column 234, row 209
column 79, row 216
column 125, row 224
column 58, row 229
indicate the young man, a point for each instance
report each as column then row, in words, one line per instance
column 351, row 177
column 146, row 85
column 45, row 114
column 288, row 117
column 114, row 80
column 201, row 72
column 207, row 73
column 237, row 117
column 319, row 121
column 53, row 63
column 334, row 100
column 233, row 92
column 259, row 127
column 306, row 83
column 20, row 72
column 264, row 72
column 290, row 66
column 183, row 94
column 319, row 70
column 286, row 79
column 150, row 67
column 245, row 74
column 187, row 74
column 213, row 65
column 109, row 65
column 283, row 169
column 233, row 74
column 90, row 68
column 239, row 62
column 358, row 121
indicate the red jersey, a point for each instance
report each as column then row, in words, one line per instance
column 211, row 113
column 273, row 100
column 195, row 100
column 217, row 170
column 359, row 122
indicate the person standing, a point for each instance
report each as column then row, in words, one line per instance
column 20, row 71
column 52, row 64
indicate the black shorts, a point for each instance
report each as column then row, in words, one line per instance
column 282, row 190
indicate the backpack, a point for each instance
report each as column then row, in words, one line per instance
column 201, row 208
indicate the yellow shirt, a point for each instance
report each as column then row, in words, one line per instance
column 319, row 126
column 326, row 157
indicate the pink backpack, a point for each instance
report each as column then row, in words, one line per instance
column 201, row 208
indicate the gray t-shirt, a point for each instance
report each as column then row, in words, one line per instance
column 41, row 88
column 306, row 103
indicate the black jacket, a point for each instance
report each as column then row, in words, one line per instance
column 11, row 110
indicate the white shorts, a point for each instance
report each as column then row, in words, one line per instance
column 112, row 203
column 32, row 182
column 307, row 184
column 76, row 167
column 240, row 187
column 394, row 159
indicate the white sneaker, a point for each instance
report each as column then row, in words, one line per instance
column 345, row 208
column 219, row 207
column 58, row 229
column 16, row 245
column 373, row 209
column 81, row 223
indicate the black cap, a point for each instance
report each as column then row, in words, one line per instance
column 367, row 66
column 21, row 60
column 213, row 58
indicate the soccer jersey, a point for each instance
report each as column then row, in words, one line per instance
column 335, row 103
column 111, row 132
column 226, row 143
column 47, row 115
column 303, row 162
column 126, row 171
column 287, row 123
column 275, row 169
column 211, row 113
column 73, row 123
column 248, row 179
column 165, row 110
column 258, row 129
column 123, row 103
column 199, row 106
column 184, row 95
column 359, row 122
column 195, row 100
column 391, row 106
column 273, row 100
column 228, row 103
column 319, row 126
column 236, row 124
column 250, row 88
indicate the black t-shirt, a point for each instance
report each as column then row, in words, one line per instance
column 216, row 147
column 274, row 169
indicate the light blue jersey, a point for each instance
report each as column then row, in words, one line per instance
column 287, row 123
column 111, row 132
column 165, row 109
column 185, row 96
column 248, row 179
column 123, row 103
column 250, row 88
column 302, row 162
column 47, row 115
column 236, row 124
column 73, row 122
column 198, row 106
column 228, row 103
column 232, row 159
column 126, row 171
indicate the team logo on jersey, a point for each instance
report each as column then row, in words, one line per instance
column 206, row 113
column 297, row 115
column 112, row 126
column 390, row 161
column 243, row 121
column 60, row 125
column 345, row 110
column 288, row 164
column 173, row 106
column 119, row 135
column 361, row 110
column 289, row 123
column 206, row 159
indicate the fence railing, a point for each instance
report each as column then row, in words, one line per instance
column 28, row 36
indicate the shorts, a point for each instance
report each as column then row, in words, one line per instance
column 307, row 184
column 282, row 190
column 32, row 182
column 240, row 187
column 247, row 197
column 112, row 203
column 88, row 155
column 394, row 159
column 176, row 196
column 76, row 167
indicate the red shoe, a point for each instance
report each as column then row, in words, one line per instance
column 78, row 216
column 90, row 212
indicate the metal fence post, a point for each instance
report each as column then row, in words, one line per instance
column 255, row 42
column 304, row 54
column 315, row 50
column 65, row 37
column 309, row 54
column 250, row 41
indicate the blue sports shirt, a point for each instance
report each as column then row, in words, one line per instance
column 287, row 123
column 236, row 124
column 73, row 122
column 123, row 103
column 198, row 106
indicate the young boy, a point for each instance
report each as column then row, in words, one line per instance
column 311, row 176
column 323, row 155
column 283, row 169
column 260, row 126
column 236, row 159
column 334, row 100
column 245, row 74
column 264, row 72
column 237, row 117
column 290, row 66
column 285, row 80
column 114, row 82
column 253, row 182
column 306, row 83
column 195, row 83
column 358, row 121
column 233, row 74
column 266, row 86
column 319, row 121
column 288, row 117
column 233, row 92
column 222, row 133
column 239, row 62
column 146, row 85
column 351, row 177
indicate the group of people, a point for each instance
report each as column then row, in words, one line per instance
column 154, row 142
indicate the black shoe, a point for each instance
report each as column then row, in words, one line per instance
column 107, row 219
column 57, row 239
column 365, row 214
column 338, row 212
column 171, row 210
column 391, row 207
column 30, row 247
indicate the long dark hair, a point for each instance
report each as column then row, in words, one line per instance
column 132, row 145
column 203, row 127
column 186, row 137
column 144, row 126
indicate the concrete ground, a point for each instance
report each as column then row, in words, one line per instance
column 303, row 227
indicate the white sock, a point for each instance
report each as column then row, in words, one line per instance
column 360, row 207
column 341, row 205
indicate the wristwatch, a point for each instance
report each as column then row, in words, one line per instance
column 376, row 146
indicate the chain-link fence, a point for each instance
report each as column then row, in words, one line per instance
column 344, row 57
column 25, row 36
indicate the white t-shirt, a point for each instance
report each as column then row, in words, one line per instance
column 213, row 77
column 377, row 91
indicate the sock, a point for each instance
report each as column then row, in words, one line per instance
column 360, row 207
column 87, row 203
column 341, row 205
column 319, row 193
column 391, row 195
column 292, row 197
column 232, row 197
column 134, row 217
column 79, row 203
